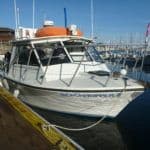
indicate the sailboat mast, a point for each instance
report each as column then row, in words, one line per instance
column 18, row 17
column 15, row 9
column 92, row 20
column 33, row 9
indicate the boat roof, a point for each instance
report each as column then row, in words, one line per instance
column 50, row 39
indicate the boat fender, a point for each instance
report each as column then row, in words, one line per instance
column 16, row 93
column 123, row 72
column 5, row 84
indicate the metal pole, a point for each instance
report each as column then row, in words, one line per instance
column 65, row 17
column 33, row 13
column 92, row 19
column 15, row 13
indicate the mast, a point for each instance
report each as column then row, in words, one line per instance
column 33, row 9
column 92, row 20
column 65, row 17
column 18, row 17
column 15, row 9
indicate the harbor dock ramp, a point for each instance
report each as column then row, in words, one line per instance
column 23, row 129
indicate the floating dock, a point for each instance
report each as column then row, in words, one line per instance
column 23, row 129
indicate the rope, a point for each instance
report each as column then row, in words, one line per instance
column 81, row 129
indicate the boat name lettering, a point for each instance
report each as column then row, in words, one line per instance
column 90, row 95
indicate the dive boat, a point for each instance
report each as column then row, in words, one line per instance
column 58, row 69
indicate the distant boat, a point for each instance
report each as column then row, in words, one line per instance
column 59, row 70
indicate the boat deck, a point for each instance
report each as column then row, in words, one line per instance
column 88, row 82
column 84, row 82
column 20, row 128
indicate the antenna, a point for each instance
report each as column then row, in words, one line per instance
column 65, row 17
column 92, row 19
column 18, row 18
column 15, row 9
column 33, row 14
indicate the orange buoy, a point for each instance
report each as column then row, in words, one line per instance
column 55, row 31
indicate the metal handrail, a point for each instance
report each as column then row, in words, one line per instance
column 111, row 74
column 76, row 70
column 26, row 68
column 49, row 60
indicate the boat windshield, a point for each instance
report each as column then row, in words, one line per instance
column 51, row 53
column 94, row 53
column 81, row 51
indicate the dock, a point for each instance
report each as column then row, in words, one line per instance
column 23, row 129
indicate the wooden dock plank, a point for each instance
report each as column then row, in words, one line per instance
column 21, row 128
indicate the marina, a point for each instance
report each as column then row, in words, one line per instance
column 74, row 76
column 99, row 121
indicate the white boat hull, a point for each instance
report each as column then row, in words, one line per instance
column 92, row 104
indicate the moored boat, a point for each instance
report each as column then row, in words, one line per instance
column 65, row 73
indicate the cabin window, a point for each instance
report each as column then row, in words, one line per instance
column 14, row 55
column 59, row 56
column 77, row 51
column 51, row 53
column 23, row 54
column 94, row 54
column 82, row 51
column 27, row 56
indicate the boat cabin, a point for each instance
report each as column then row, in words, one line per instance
column 52, row 56
column 49, row 52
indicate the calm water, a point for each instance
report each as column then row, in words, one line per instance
column 130, row 130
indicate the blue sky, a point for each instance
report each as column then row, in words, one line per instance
column 113, row 19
